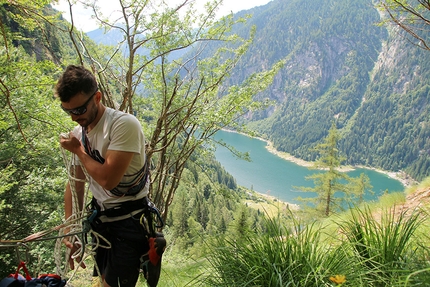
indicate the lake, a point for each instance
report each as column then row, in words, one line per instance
column 270, row 174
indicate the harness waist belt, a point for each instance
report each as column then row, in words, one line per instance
column 122, row 209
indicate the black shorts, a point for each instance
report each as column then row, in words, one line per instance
column 121, row 263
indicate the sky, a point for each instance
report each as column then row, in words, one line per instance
column 84, row 22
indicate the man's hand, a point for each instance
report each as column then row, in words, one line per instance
column 74, row 248
column 71, row 143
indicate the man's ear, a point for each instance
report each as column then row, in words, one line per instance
column 98, row 96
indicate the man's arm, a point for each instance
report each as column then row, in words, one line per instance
column 108, row 174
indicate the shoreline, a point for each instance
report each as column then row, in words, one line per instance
column 400, row 176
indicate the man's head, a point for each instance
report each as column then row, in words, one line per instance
column 75, row 80
column 77, row 88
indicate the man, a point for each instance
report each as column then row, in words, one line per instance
column 110, row 145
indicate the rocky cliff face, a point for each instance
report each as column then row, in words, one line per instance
column 342, row 67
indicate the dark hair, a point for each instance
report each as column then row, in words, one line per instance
column 75, row 80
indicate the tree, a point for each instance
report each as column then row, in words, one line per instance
column 183, row 100
column 241, row 225
column 31, row 174
column 358, row 187
column 328, row 182
column 411, row 16
column 180, row 215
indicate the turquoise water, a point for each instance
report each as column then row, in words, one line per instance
column 272, row 175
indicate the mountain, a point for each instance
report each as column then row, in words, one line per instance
column 112, row 37
column 341, row 67
column 344, row 67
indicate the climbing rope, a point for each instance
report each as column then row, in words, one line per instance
column 76, row 228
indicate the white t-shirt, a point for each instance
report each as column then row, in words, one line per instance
column 119, row 131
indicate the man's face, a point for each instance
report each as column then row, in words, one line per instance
column 82, row 109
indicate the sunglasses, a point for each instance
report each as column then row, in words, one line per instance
column 79, row 110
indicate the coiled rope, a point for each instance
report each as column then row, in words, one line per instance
column 76, row 227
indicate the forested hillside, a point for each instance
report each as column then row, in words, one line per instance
column 343, row 67
column 338, row 65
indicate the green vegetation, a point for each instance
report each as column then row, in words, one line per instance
column 373, row 245
column 31, row 168
column 220, row 234
column 383, row 248
column 181, row 102
column 343, row 66
column 181, row 97
column 332, row 181
column 410, row 16
column 365, row 249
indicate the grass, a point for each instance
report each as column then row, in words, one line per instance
column 364, row 251
column 282, row 256
column 268, row 204
column 371, row 246
column 181, row 271
column 177, row 271
column 374, row 245
column 382, row 246
column 391, row 199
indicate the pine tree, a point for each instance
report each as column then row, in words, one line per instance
column 330, row 180
column 359, row 186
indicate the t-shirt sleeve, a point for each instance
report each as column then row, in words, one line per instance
column 127, row 135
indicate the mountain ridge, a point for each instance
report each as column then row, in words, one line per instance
column 349, row 69
column 344, row 67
